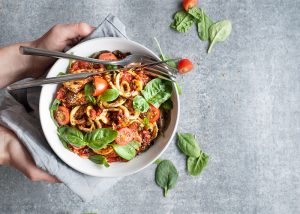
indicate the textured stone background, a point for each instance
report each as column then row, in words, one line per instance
column 242, row 102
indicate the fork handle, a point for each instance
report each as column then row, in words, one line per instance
column 51, row 80
column 56, row 54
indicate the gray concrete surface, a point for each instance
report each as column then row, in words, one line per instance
column 242, row 101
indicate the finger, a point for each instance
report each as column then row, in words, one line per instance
column 73, row 31
column 37, row 174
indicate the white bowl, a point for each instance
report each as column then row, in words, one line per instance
column 84, row 165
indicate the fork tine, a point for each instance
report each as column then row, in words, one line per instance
column 161, row 72
column 160, row 76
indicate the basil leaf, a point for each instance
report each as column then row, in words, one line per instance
column 195, row 165
column 140, row 104
column 72, row 136
column 61, row 74
column 182, row 21
column 53, row 108
column 203, row 26
column 188, row 145
column 128, row 151
column 163, row 57
column 88, row 91
column 146, row 121
column 168, row 105
column 111, row 67
column 99, row 138
column 99, row 159
column 219, row 32
column 166, row 175
column 64, row 143
column 157, row 91
column 109, row 95
column 196, row 13
column 178, row 88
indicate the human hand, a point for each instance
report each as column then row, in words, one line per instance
column 15, row 66
column 14, row 153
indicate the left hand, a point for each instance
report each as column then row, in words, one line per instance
column 15, row 66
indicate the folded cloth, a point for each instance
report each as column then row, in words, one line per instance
column 26, row 126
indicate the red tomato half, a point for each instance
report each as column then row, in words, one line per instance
column 125, row 135
column 187, row 4
column 62, row 115
column 153, row 114
column 184, row 66
column 107, row 56
column 100, row 86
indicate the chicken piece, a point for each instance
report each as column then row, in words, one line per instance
column 75, row 99
column 76, row 85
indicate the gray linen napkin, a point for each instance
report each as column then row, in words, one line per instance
column 27, row 127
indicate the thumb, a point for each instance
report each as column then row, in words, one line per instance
column 36, row 174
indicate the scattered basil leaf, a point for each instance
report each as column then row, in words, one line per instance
column 188, row 145
column 163, row 57
column 203, row 26
column 128, row 151
column 64, row 143
column 219, row 32
column 88, row 91
column 168, row 105
column 99, row 138
column 99, row 159
column 195, row 165
column 71, row 135
column 109, row 95
column 178, row 88
column 157, row 91
column 140, row 104
column 166, row 175
column 196, row 13
column 183, row 21
column 53, row 108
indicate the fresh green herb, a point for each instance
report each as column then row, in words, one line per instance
column 99, row 159
column 140, row 104
column 219, row 32
column 188, row 145
column 163, row 57
column 128, row 151
column 157, row 161
column 71, row 136
column 88, row 91
column 99, row 138
column 183, row 21
column 111, row 67
column 203, row 26
column 53, row 108
column 178, row 88
column 168, row 105
column 145, row 121
column 196, row 13
column 195, row 165
column 109, row 95
column 64, row 143
column 166, row 175
column 157, row 91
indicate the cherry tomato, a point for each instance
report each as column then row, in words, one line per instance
column 62, row 115
column 153, row 114
column 61, row 93
column 184, row 66
column 107, row 56
column 125, row 135
column 187, row 4
column 100, row 86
